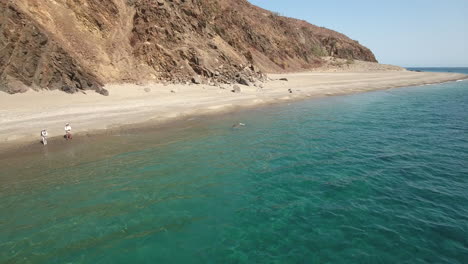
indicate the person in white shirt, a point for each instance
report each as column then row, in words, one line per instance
column 44, row 135
column 68, row 134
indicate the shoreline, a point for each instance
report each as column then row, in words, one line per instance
column 129, row 106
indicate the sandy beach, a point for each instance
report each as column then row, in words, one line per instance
column 22, row 116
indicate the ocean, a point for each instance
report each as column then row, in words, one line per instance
column 378, row 177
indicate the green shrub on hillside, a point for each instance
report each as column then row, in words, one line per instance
column 319, row 51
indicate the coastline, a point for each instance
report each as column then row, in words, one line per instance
column 130, row 106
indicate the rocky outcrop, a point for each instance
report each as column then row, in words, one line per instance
column 75, row 45
column 30, row 58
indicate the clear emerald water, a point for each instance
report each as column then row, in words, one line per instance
column 379, row 177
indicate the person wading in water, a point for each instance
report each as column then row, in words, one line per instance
column 68, row 134
column 44, row 135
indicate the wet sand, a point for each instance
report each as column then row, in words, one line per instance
column 22, row 116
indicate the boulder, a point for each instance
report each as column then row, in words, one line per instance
column 243, row 81
column 196, row 80
column 70, row 89
column 12, row 86
column 283, row 79
column 103, row 92
column 236, row 89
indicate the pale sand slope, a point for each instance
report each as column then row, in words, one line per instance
column 22, row 116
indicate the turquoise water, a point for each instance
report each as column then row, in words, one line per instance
column 380, row 177
column 438, row 69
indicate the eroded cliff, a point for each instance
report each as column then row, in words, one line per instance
column 76, row 45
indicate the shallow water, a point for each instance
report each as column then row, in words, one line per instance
column 379, row 177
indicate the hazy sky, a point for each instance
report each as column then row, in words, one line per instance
column 400, row 32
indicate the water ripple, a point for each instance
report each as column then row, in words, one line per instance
column 377, row 178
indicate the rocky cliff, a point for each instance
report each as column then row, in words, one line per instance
column 76, row 45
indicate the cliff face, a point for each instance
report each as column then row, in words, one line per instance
column 75, row 45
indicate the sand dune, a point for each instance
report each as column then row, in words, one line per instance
column 22, row 116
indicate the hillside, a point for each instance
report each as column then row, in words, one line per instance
column 75, row 45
